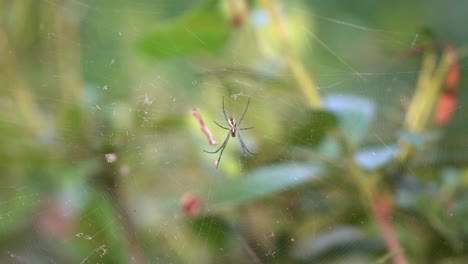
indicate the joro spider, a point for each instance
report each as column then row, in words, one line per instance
column 233, row 132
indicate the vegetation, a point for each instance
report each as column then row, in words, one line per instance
column 359, row 135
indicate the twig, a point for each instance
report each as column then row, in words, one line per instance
column 203, row 127
column 382, row 209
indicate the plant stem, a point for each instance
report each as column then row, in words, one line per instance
column 382, row 208
column 25, row 105
column 306, row 84
column 377, row 205
column 428, row 87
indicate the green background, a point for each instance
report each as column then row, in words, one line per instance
column 82, row 79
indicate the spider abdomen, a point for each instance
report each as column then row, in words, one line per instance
column 232, row 126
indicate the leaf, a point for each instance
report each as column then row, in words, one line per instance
column 263, row 182
column 314, row 127
column 440, row 219
column 377, row 157
column 419, row 140
column 212, row 229
column 16, row 208
column 355, row 115
column 203, row 29
column 337, row 241
column 99, row 235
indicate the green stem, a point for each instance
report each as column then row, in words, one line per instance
column 428, row 87
column 306, row 84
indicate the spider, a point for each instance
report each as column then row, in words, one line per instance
column 233, row 132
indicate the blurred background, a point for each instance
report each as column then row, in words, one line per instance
column 359, row 133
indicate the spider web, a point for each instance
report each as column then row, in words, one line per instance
column 56, row 210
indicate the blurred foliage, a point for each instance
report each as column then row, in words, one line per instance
column 314, row 129
column 205, row 29
column 102, row 160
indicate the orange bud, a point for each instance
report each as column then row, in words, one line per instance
column 445, row 107
column 453, row 76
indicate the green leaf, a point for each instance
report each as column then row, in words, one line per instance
column 99, row 236
column 16, row 208
column 202, row 29
column 440, row 219
column 314, row 127
column 355, row 115
column 255, row 185
column 263, row 182
column 212, row 229
column 334, row 242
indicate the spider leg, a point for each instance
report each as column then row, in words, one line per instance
column 222, row 150
column 244, row 151
column 245, row 157
column 221, row 126
column 245, row 128
column 224, row 112
column 243, row 146
column 222, row 146
column 245, row 111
